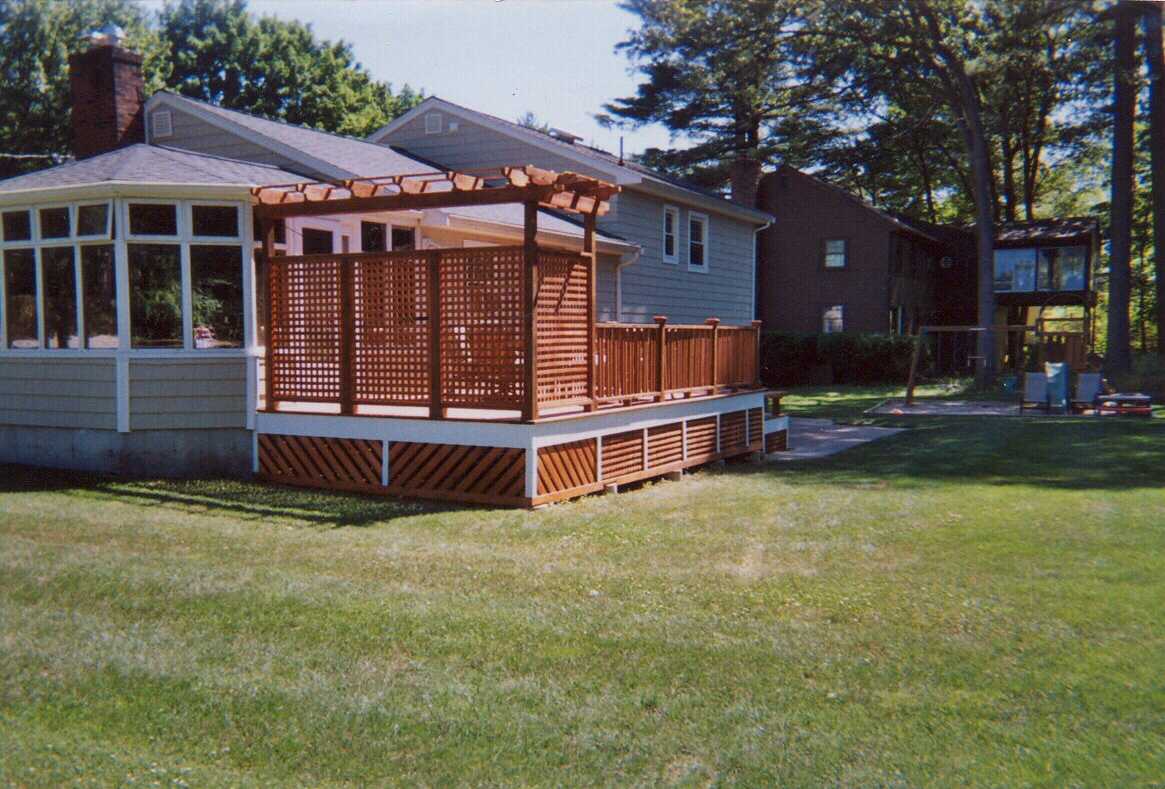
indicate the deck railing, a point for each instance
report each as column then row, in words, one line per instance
column 454, row 328
column 634, row 360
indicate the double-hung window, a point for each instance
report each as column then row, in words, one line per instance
column 697, row 242
column 671, row 234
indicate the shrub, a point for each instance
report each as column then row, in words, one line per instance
column 794, row 359
column 1147, row 376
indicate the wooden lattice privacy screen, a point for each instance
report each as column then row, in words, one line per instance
column 389, row 328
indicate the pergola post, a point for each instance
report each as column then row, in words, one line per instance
column 660, row 356
column 267, row 229
column 530, row 310
column 589, row 252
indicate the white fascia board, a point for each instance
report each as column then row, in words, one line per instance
column 618, row 175
column 109, row 189
column 263, row 141
column 716, row 205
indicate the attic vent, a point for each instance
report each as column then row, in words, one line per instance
column 433, row 123
column 161, row 124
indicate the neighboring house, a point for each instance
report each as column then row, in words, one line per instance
column 832, row 263
column 132, row 305
column 697, row 250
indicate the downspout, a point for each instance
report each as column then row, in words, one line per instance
column 624, row 261
column 755, row 242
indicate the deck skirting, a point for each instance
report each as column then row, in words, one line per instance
column 509, row 463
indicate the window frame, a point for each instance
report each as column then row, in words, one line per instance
column 237, row 238
column 59, row 240
column 440, row 126
column 107, row 235
column 182, row 222
column 845, row 255
column 826, row 308
column 673, row 211
column 703, row 219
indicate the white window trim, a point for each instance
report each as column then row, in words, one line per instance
column 153, row 238
column 673, row 211
column 440, row 123
column 844, row 254
column 108, row 220
column 60, row 240
column 702, row 218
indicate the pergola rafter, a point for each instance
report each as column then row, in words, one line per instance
column 566, row 191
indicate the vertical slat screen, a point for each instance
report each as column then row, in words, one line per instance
column 562, row 326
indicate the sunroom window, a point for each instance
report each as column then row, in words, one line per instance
column 99, row 282
column 20, row 298
column 93, row 221
column 155, row 296
column 214, row 221
column 216, row 275
column 60, row 297
column 55, row 223
column 153, row 219
column 17, row 225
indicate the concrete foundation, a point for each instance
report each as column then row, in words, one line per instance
column 141, row 452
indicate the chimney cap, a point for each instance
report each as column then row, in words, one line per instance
column 110, row 35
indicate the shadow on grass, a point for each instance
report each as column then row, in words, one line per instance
column 1069, row 454
column 237, row 498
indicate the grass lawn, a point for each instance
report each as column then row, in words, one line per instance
column 969, row 601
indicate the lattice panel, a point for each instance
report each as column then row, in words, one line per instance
column 457, row 471
column 342, row 463
column 732, row 432
column 305, row 332
column 688, row 357
column 566, row 466
column 562, row 326
column 481, row 327
column 756, row 426
column 622, row 454
column 777, row 441
column 701, row 439
column 665, row 444
column 390, row 355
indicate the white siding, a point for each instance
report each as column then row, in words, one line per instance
column 66, row 392
column 187, row 393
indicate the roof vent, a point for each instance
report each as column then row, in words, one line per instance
column 564, row 136
column 161, row 124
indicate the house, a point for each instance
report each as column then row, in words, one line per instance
column 206, row 291
column 832, row 262
column 697, row 251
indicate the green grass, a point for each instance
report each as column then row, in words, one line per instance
column 969, row 601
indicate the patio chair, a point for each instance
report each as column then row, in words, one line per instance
column 1035, row 391
column 1088, row 388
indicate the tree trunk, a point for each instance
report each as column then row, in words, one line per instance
column 1155, row 57
column 1119, row 354
column 1008, row 154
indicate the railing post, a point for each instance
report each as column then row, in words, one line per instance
column 347, row 333
column 715, row 324
column 756, row 379
column 530, row 311
column 589, row 252
column 660, row 356
column 433, row 263
column 267, row 228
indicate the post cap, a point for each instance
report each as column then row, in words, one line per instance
column 659, row 318
column 712, row 321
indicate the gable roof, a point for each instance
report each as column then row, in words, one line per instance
column 149, row 164
column 333, row 155
column 624, row 172
column 900, row 223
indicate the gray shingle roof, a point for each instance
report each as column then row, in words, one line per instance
column 598, row 156
column 1058, row 229
column 148, row 164
column 353, row 156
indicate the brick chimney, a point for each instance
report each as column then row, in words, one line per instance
column 108, row 94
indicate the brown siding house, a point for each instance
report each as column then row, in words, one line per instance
column 830, row 262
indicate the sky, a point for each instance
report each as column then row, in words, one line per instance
column 554, row 58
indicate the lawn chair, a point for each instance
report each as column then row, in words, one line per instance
column 1035, row 391
column 1088, row 388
